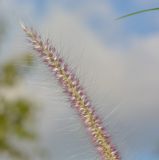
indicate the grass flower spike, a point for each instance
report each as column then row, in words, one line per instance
column 76, row 95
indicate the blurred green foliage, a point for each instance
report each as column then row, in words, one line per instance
column 15, row 114
column 3, row 28
column 10, row 72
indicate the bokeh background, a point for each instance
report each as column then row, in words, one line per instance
column 117, row 62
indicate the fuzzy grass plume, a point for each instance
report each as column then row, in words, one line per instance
column 75, row 93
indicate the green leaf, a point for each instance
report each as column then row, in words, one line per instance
column 9, row 74
column 138, row 12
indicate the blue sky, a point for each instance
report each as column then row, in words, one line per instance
column 141, row 24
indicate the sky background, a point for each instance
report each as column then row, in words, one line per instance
column 117, row 62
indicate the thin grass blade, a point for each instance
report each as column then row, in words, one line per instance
column 137, row 12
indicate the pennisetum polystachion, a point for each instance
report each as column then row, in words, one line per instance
column 76, row 94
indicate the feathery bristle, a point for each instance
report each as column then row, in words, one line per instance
column 75, row 93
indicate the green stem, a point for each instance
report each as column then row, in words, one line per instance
column 138, row 12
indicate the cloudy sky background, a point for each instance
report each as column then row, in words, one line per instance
column 117, row 62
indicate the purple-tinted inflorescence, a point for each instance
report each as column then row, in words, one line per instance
column 78, row 98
